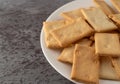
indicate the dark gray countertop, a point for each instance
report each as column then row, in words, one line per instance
column 21, row 57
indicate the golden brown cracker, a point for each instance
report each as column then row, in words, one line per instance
column 85, row 65
column 98, row 20
column 107, row 44
column 49, row 26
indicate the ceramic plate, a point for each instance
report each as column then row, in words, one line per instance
column 51, row 55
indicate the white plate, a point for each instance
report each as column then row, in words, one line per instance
column 51, row 55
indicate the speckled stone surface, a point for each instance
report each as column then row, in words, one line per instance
column 21, row 57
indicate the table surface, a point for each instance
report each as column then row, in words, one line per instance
column 21, row 57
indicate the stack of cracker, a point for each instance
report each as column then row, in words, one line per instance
column 90, row 41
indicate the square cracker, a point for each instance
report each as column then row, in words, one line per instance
column 72, row 32
column 74, row 14
column 116, row 4
column 104, row 6
column 85, row 65
column 107, row 71
column 115, row 18
column 98, row 20
column 67, row 53
column 49, row 26
column 107, row 44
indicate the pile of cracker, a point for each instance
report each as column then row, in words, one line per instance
column 90, row 41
